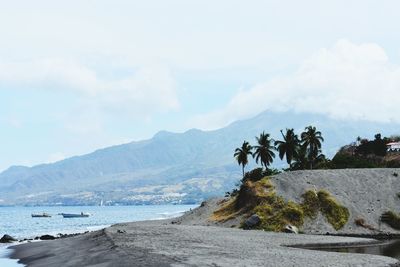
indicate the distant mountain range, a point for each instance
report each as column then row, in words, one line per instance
column 168, row 168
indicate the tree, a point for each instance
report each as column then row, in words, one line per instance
column 241, row 154
column 288, row 146
column 376, row 147
column 264, row 150
column 312, row 139
column 300, row 159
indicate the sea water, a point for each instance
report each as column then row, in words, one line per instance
column 18, row 222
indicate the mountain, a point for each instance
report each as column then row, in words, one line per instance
column 170, row 167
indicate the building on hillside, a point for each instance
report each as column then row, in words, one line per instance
column 393, row 147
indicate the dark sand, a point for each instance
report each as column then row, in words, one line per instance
column 160, row 243
column 192, row 240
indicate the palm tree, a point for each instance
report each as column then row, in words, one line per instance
column 312, row 140
column 289, row 146
column 264, row 150
column 241, row 154
column 300, row 159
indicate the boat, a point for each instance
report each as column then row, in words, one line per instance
column 40, row 215
column 75, row 215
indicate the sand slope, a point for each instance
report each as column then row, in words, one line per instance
column 367, row 193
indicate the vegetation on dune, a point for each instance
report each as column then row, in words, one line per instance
column 258, row 196
column 274, row 212
column 226, row 212
column 336, row 214
column 277, row 218
column 313, row 202
column 256, row 193
column 392, row 219
column 310, row 204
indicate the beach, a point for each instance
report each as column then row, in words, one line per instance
column 160, row 243
column 195, row 240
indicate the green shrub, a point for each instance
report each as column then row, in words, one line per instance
column 275, row 213
column 336, row 214
column 293, row 213
column 259, row 197
column 254, row 175
column 310, row 204
column 343, row 161
column 275, row 219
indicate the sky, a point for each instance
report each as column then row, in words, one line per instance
column 76, row 76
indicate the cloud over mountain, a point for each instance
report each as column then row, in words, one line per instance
column 346, row 81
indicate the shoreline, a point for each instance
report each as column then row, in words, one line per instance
column 192, row 239
column 161, row 243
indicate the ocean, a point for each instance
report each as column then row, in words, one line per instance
column 18, row 222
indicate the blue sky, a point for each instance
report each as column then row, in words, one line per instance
column 80, row 75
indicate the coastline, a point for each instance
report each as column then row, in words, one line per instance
column 161, row 243
column 5, row 256
column 195, row 240
column 50, row 231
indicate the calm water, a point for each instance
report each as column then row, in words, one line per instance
column 17, row 221
column 389, row 248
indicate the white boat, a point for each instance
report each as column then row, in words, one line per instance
column 75, row 215
column 40, row 215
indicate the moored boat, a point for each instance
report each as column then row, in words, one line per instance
column 75, row 215
column 40, row 215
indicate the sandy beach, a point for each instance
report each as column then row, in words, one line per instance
column 160, row 243
column 194, row 240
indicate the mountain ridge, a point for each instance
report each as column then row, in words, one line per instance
column 168, row 163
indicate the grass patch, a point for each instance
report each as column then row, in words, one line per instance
column 275, row 216
column 310, row 204
column 391, row 219
column 226, row 212
column 336, row 214
column 259, row 197
column 251, row 194
column 313, row 202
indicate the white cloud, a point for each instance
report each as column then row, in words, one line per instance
column 346, row 81
column 147, row 91
column 53, row 73
column 148, row 87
